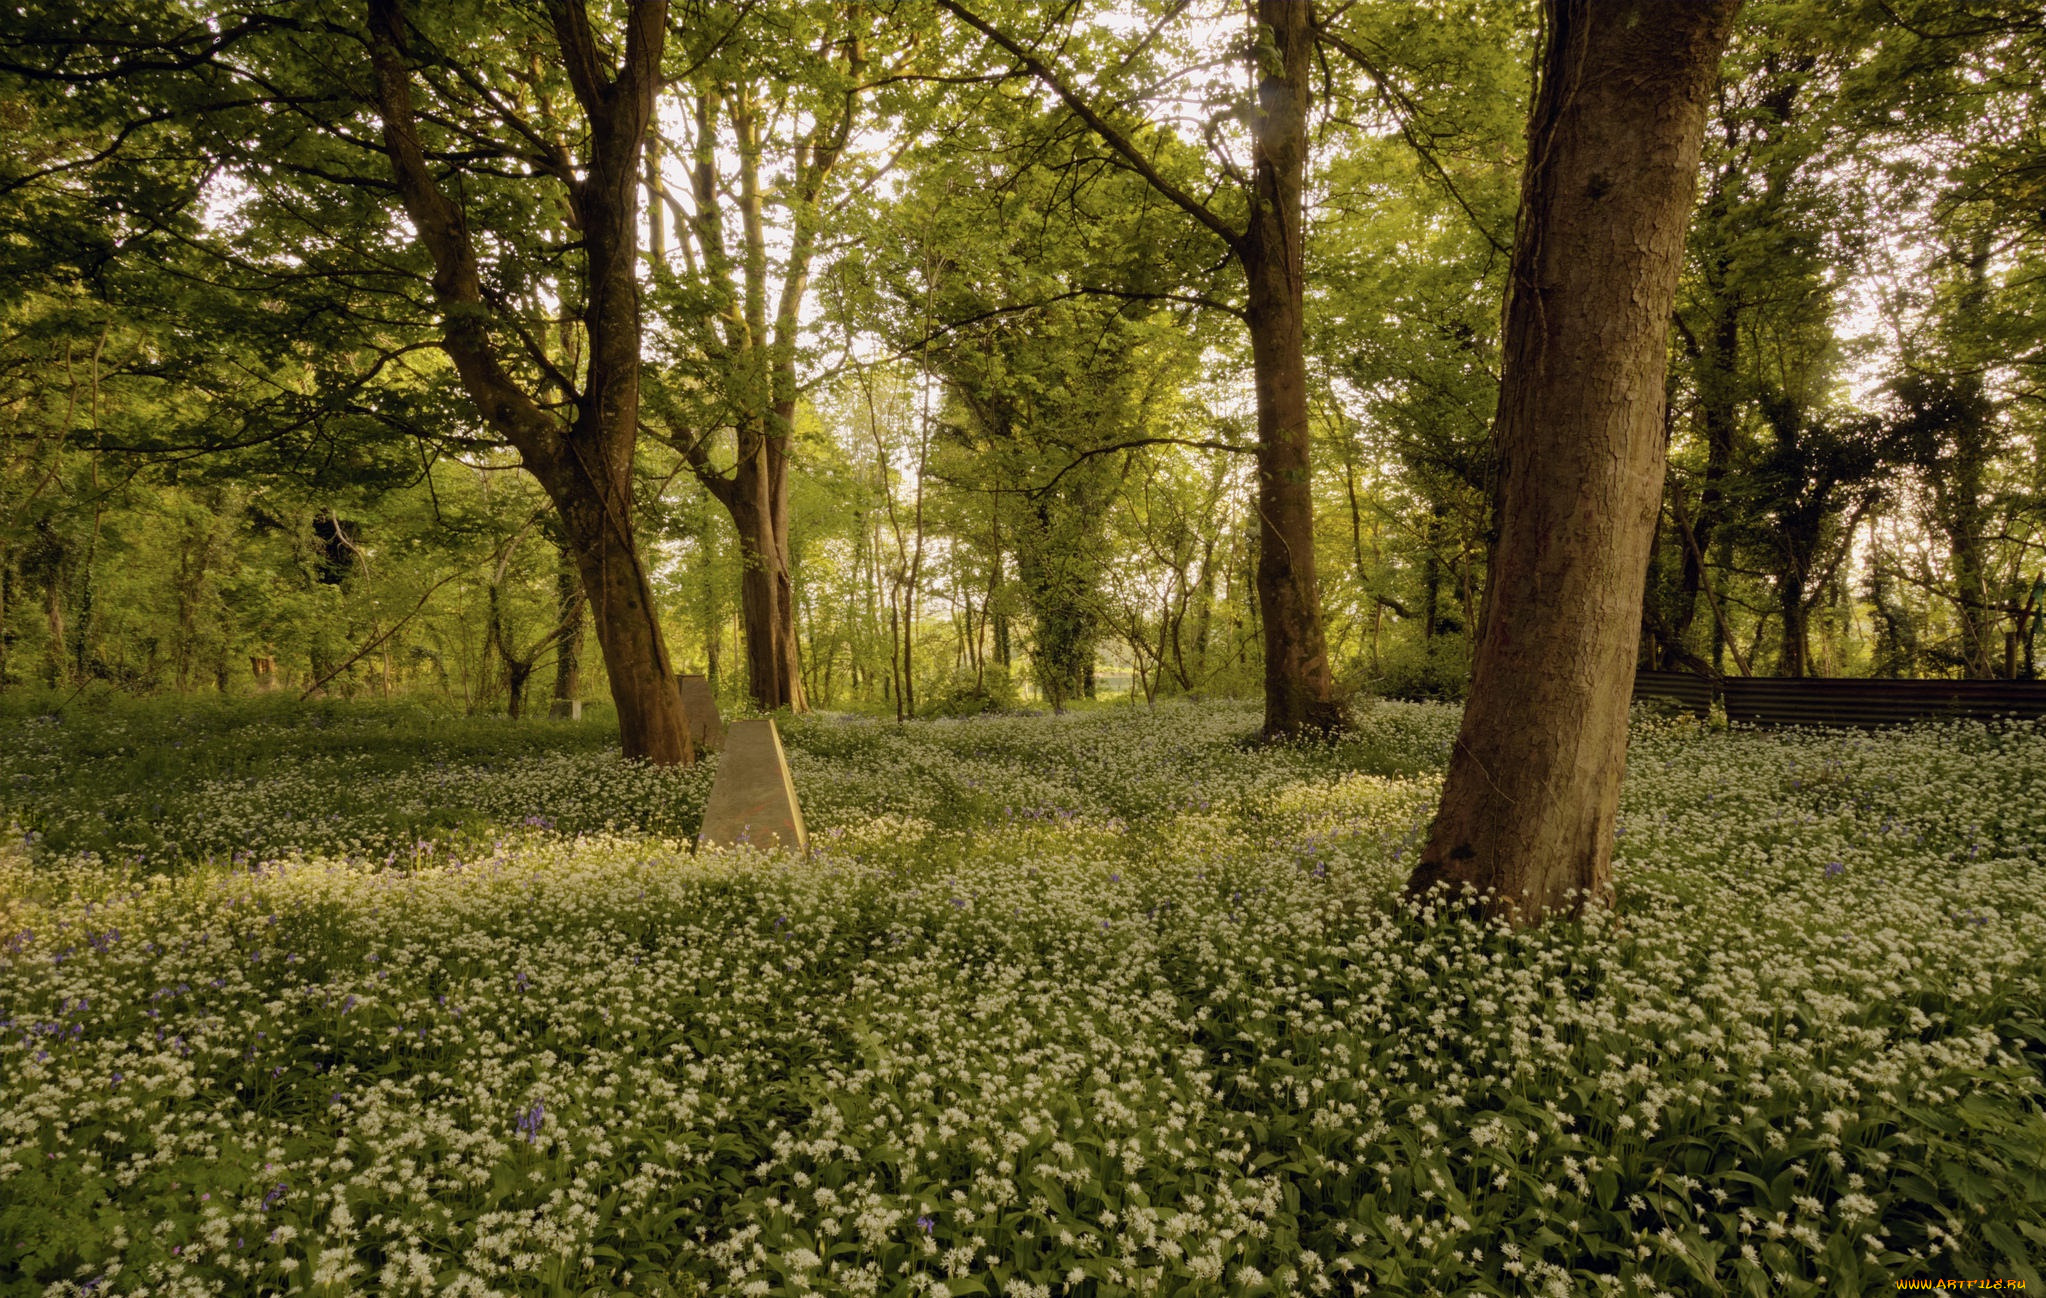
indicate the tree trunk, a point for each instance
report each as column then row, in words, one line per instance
column 651, row 722
column 585, row 462
column 1977, row 617
column 1719, row 402
column 568, row 654
column 53, row 613
column 1431, row 579
column 1528, row 806
column 1795, row 660
column 757, row 497
column 1959, row 505
column 1299, row 688
column 7, row 588
column 755, row 492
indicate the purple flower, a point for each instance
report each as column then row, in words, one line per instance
column 926, row 1223
column 530, row 1121
column 1834, row 869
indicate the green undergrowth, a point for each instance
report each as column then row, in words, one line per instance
column 1105, row 1004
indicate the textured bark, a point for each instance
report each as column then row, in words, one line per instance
column 1795, row 659
column 583, row 462
column 758, row 503
column 1527, row 810
column 1299, row 688
column 756, row 495
column 568, row 656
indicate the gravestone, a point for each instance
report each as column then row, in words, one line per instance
column 752, row 797
column 706, row 724
column 264, row 668
column 565, row 710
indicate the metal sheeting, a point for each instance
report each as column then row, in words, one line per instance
column 1830, row 701
column 1834, row 701
column 1694, row 693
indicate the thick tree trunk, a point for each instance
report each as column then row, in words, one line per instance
column 757, row 497
column 1962, row 519
column 586, row 463
column 597, row 523
column 1299, row 688
column 1527, row 810
column 1978, row 620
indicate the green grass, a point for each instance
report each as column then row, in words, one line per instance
column 1112, row 1003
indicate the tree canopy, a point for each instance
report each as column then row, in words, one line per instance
column 915, row 357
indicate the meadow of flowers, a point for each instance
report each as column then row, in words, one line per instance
column 365, row 999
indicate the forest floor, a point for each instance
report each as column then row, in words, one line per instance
column 368, row 998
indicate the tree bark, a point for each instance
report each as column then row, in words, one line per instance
column 1719, row 402
column 1795, row 659
column 1299, row 688
column 568, row 655
column 585, row 461
column 756, row 496
column 1527, row 809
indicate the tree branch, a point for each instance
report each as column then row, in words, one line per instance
column 1109, row 135
column 1405, row 112
column 357, row 656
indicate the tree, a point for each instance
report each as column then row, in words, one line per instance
column 245, row 204
column 583, row 460
column 772, row 110
column 1614, row 134
column 1266, row 238
column 1755, row 313
column 1806, row 494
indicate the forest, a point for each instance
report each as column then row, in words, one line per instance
column 941, row 401
column 1194, row 484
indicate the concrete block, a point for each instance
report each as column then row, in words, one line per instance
column 752, row 797
column 706, row 725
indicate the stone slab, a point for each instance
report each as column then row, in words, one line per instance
column 753, row 797
column 706, row 723
column 565, row 710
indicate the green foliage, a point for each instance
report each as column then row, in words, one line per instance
column 1112, row 1003
column 214, row 328
column 966, row 694
column 1438, row 669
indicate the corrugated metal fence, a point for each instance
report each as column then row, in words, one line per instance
column 1693, row 693
column 1832, row 701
